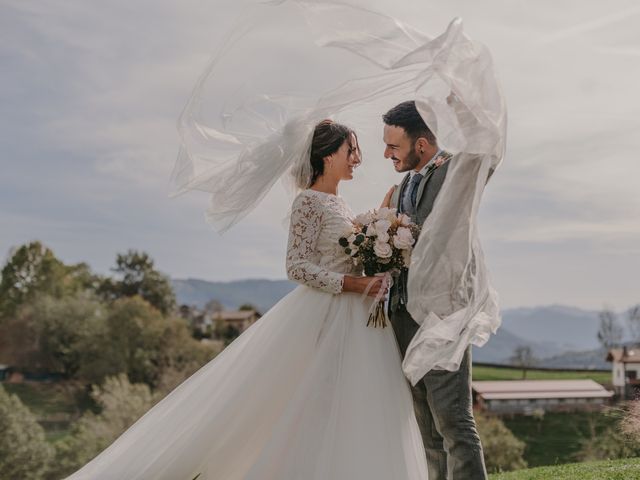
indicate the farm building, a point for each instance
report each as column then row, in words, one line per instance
column 527, row 396
column 625, row 366
column 240, row 320
column 206, row 320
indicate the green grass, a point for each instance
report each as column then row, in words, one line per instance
column 555, row 439
column 44, row 399
column 494, row 373
column 627, row 469
column 55, row 405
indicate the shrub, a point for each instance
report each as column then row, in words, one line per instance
column 24, row 452
column 121, row 403
column 502, row 450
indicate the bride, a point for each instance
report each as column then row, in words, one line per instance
column 309, row 392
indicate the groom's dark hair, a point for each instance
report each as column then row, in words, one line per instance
column 406, row 116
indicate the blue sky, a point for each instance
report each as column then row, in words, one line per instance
column 90, row 93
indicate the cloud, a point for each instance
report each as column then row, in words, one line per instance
column 91, row 91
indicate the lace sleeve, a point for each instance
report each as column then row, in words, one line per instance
column 306, row 220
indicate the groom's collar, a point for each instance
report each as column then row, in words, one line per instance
column 423, row 170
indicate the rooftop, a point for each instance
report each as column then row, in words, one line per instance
column 520, row 389
column 235, row 315
column 624, row 355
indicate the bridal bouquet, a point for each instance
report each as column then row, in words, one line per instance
column 381, row 241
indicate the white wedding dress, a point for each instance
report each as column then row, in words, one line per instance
column 309, row 392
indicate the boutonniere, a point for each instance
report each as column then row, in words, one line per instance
column 438, row 162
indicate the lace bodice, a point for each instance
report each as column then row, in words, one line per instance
column 314, row 257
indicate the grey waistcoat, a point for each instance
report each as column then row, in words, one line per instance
column 427, row 192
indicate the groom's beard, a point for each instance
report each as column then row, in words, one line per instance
column 409, row 163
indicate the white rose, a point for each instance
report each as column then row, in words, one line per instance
column 403, row 238
column 383, row 237
column 382, row 249
column 385, row 213
column 364, row 218
column 382, row 226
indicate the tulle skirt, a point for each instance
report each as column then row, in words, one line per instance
column 309, row 392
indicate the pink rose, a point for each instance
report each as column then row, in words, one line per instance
column 403, row 239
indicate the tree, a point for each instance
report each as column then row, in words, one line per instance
column 229, row 334
column 143, row 343
column 523, row 357
column 610, row 333
column 213, row 306
column 88, row 340
column 20, row 341
column 121, row 403
column 620, row 440
column 630, row 425
column 502, row 450
column 633, row 322
column 70, row 332
column 248, row 307
column 67, row 335
column 136, row 275
column 24, row 452
column 31, row 269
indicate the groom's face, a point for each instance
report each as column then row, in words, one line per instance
column 399, row 149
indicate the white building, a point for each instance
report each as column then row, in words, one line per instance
column 625, row 366
column 527, row 396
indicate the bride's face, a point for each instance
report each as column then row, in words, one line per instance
column 342, row 163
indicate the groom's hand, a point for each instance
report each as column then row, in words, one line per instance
column 387, row 198
column 360, row 285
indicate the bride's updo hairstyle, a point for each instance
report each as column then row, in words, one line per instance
column 328, row 137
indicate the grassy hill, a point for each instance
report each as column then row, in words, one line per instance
column 628, row 469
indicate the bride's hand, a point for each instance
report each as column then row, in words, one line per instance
column 387, row 198
column 360, row 285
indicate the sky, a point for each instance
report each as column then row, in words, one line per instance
column 90, row 93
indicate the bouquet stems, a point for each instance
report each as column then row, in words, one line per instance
column 378, row 318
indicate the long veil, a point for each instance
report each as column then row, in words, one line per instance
column 261, row 137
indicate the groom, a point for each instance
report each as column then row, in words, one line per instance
column 442, row 399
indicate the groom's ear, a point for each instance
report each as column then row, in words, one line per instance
column 421, row 144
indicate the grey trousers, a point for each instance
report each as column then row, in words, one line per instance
column 444, row 410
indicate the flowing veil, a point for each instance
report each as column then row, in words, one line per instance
column 310, row 355
column 266, row 137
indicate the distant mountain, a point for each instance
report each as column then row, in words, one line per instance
column 500, row 347
column 594, row 359
column 261, row 293
column 559, row 336
column 569, row 328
